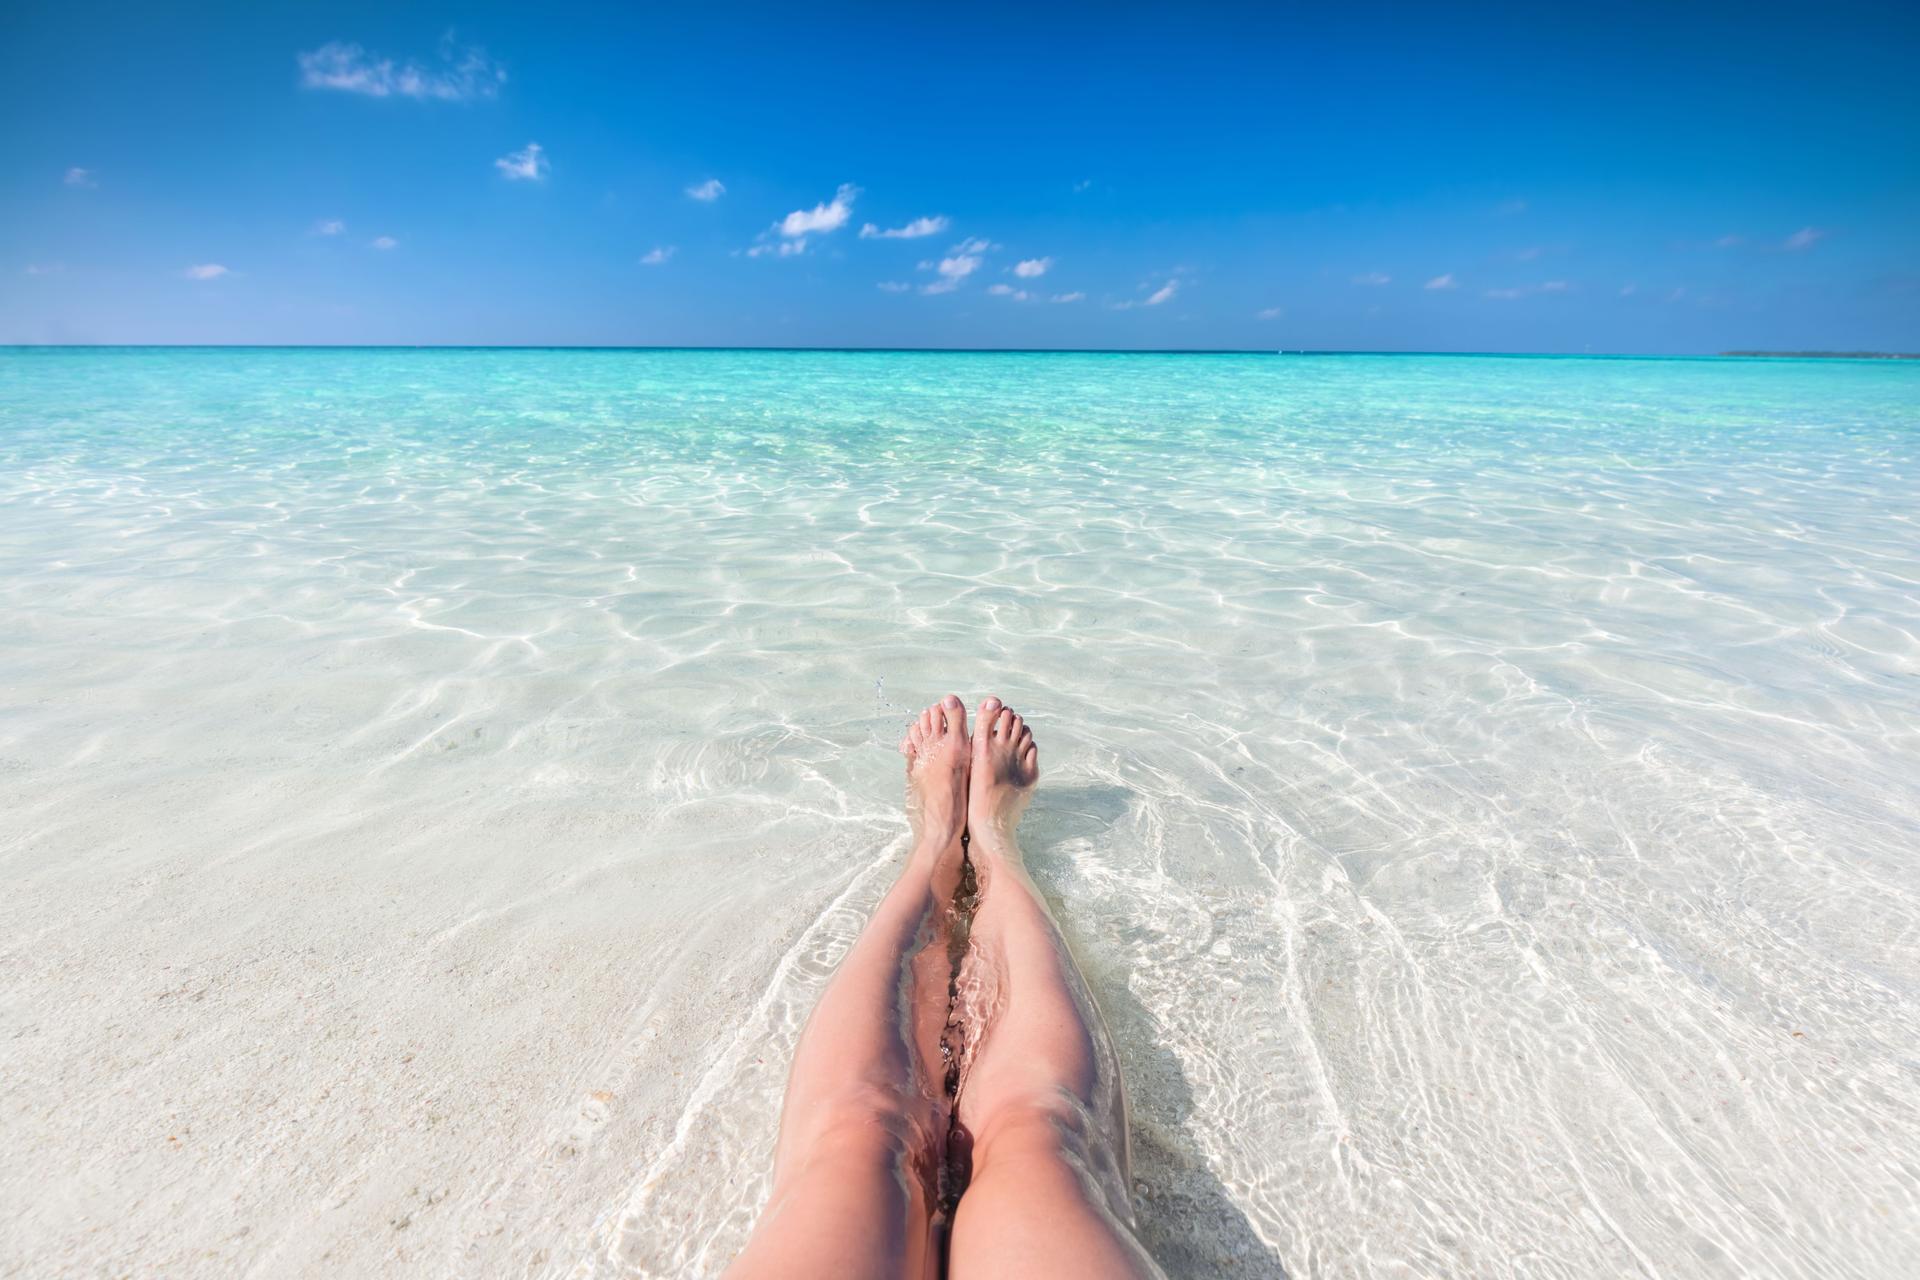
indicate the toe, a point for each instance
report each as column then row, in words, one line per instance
column 956, row 715
column 1014, row 724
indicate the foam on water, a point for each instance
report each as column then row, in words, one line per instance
column 434, row 787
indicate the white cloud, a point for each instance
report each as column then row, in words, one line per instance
column 961, row 261
column 45, row 268
column 463, row 74
column 1075, row 296
column 1528, row 290
column 1628, row 290
column 1729, row 242
column 709, row 191
column 912, row 231
column 895, row 286
column 1528, row 254
column 1511, row 207
column 205, row 271
column 830, row 216
column 952, row 271
column 1804, row 238
column 1032, row 268
column 385, row 242
column 1164, row 293
column 329, row 227
column 658, row 254
column 1269, row 313
column 78, row 177
column 1008, row 291
column 784, row 249
column 529, row 164
column 1082, row 185
column 1443, row 282
column 1373, row 279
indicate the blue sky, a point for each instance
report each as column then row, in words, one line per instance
column 1533, row 178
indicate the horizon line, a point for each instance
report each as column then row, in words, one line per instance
column 1803, row 354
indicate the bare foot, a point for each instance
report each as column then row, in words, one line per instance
column 1006, row 765
column 938, row 757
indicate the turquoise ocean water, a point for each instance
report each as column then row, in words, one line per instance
column 1484, row 792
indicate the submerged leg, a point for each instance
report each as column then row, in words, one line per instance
column 1041, row 1095
column 864, row 1123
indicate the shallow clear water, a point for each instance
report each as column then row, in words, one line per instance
column 434, row 785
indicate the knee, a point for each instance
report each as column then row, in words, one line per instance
column 872, row 1120
column 1043, row 1126
column 1054, row 1139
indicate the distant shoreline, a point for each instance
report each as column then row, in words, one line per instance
column 1829, row 355
column 958, row 351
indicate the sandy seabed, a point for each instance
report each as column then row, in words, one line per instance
column 434, row 788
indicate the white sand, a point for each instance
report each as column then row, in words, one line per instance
column 421, row 864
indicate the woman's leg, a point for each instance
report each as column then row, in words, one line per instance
column 863, row 1128
column 1041, row 1091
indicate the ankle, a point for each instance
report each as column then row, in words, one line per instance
column 932, row 848
column 992, row 842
